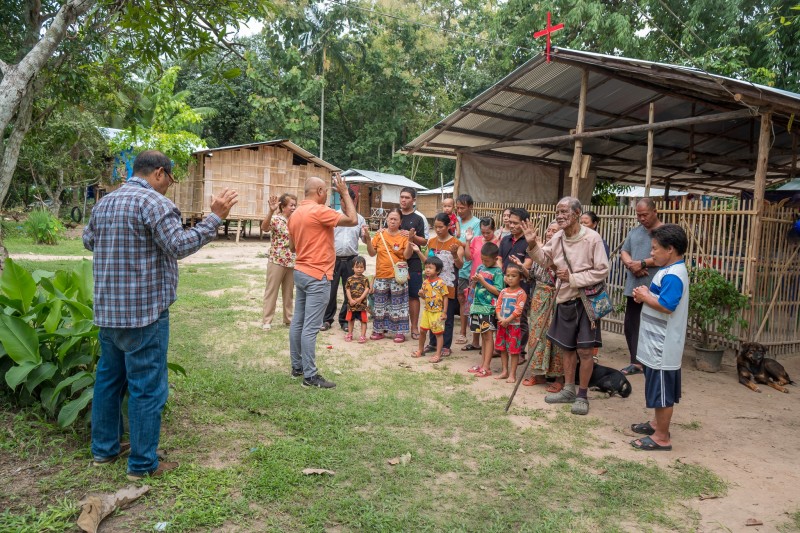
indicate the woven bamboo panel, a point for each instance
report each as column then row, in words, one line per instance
column 719, row 237
column 255, row 173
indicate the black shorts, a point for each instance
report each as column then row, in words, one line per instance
column 414, row 285
column 482, row 323
column 463, row 285
column 662, row 388
column 571, row 328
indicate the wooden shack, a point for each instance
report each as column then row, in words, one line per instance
column 255, row 170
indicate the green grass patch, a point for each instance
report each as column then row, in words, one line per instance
column 243, row 431
column 17, row 244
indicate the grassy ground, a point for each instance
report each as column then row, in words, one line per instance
column 17, row 244
column 243, row 431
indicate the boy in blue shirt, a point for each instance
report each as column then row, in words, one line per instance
column 662, row 334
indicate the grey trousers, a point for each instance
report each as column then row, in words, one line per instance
column 310, row 301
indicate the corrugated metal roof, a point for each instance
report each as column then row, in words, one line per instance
column 285, row 143
column 447, row 188
column 539, row 100
column 370, row 176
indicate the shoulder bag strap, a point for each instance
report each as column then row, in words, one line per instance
column 564, row 250
column 387, row 248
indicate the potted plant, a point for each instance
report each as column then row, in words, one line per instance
column 714, row 304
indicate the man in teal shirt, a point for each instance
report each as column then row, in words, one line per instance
column 464, row 205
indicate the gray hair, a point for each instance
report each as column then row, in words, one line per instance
column 573, row 203
column 648, row 203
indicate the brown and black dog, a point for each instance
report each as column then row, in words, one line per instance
column 754, row 368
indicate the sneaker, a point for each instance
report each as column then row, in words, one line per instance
column 163, row 466
column 297, row 373
column 325, row 326
column 580, row 407
column 266, row 327
column 564, row 396
column 344, row 326
column 319, row 382
column 124, row 449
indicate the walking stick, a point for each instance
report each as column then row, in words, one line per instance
column 520, row 377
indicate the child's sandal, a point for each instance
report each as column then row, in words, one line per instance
column 348, row 337
column 362, row 339
column 483, row 373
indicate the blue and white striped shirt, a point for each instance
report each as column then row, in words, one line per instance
column 137, row 237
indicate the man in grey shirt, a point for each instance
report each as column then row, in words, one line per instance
column 635, row 256
column 345, row 242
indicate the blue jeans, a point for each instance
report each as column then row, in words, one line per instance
column 132, row 360
column 310, row 302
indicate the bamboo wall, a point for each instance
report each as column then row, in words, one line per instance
column 255, row 172
column 765, row 267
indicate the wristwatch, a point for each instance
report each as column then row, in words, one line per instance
column 644, row 263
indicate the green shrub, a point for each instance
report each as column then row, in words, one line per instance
column 48, row 340
column 43, row 227
column 715, row 304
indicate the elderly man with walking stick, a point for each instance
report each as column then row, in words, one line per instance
column 578, row 256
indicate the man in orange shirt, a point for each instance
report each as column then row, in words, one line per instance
column 311, row 233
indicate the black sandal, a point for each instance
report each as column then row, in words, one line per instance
column 470, row 347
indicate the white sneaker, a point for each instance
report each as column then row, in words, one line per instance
column 266, row 327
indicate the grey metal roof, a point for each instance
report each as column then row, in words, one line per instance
column 447, row 188
column 285, row 143
column 370, row 176
column 540, row 100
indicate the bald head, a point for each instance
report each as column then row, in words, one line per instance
column 316, row 190
column 312, row 184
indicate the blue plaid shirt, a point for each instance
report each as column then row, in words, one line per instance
column 137, row 238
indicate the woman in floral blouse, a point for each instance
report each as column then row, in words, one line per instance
column 280, row 266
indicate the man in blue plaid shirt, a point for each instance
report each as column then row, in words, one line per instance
column 137, row 237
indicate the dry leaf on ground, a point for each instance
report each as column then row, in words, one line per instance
column 95, row 507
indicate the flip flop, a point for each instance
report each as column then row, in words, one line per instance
column 631, row 370
column 649, row 445
column 643, row 429
column 470, row 347
column 555, row 387
column 415, row 336
column 461, row 339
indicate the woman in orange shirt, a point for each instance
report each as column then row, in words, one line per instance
column 391, row 298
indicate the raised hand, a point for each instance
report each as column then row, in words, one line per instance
column 469, row 234
column 221, row 205
column 454, row 249
column 514, row 259
column 273, row 203
column 364, row 232
column 529, row 231
column 341, row 186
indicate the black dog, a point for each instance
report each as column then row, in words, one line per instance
column 608, row 380
column 754, row 368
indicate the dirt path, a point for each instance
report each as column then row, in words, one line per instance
column 748, row 439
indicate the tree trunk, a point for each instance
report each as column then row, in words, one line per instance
column 17, row 78
column 9, row 151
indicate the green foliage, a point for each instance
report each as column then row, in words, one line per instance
column 714, row 304
column 605, row 192
column 43, row 227
column 159, row 118
column 48, row 341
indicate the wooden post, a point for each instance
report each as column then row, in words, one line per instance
column 650, row 137
column 457, row 178
column 754, row 244
column 575, row 170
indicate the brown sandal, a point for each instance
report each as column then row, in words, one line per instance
column 534, row 380
column 555, row 387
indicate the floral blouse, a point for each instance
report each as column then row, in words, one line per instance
column 279, row 252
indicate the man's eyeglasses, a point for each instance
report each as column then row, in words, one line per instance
column 169, row 175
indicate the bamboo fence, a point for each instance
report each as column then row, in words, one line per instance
column 763, row 267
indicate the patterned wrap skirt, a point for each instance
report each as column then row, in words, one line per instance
column 546, row 358
column 391, row 307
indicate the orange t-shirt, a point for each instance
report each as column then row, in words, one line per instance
column 397, row 246
column 311, row 227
